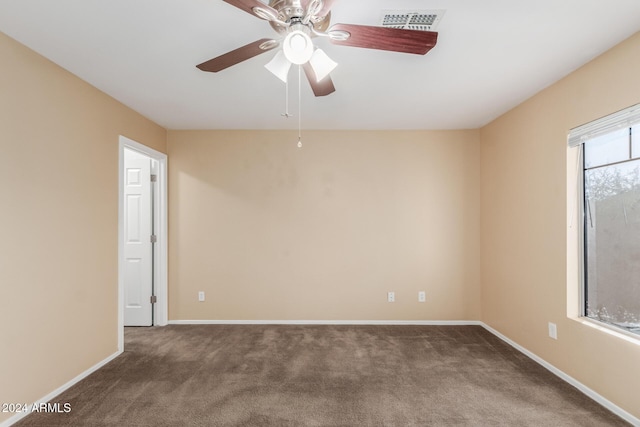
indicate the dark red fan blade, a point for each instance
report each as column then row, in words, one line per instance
column 248, row 5
column 326, row 6
column 322, row 88
column 235, row 56
column 393, row 39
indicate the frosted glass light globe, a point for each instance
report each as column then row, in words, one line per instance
column 298, row 47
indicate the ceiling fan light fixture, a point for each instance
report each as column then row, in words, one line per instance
column 322, row 65
column 279, row 66
column 298, row 47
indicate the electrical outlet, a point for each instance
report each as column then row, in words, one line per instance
column 553, row 331
column 391, row 296
column 422, row 296
column 201, row 296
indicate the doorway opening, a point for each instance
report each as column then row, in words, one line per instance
column 142, row 237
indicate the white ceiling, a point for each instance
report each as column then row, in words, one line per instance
column 491, row 55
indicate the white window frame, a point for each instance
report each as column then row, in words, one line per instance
column 576, row 138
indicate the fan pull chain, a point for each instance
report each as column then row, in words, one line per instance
column 299, row 109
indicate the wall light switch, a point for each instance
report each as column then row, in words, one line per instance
column 201, row 296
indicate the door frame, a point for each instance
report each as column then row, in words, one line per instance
column 160, row 309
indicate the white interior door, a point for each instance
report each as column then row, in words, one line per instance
column 138, row 255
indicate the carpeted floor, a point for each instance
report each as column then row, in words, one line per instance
column 276, row 375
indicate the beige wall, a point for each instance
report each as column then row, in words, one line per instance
column 271, row 232
column 58, row 222
column 528, row 262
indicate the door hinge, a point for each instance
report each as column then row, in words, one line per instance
column 154, row 239
column 154, row 177
column 154, row 299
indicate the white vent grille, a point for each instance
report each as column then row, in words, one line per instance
column 422, row 20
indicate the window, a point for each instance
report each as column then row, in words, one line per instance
column 611, row 212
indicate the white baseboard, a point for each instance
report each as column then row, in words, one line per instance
column 328, row 322
column 577, row 384
column 14, row 419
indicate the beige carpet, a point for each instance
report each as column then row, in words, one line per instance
column 272, row 375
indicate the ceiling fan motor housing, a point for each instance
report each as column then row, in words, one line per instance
column 291, row 11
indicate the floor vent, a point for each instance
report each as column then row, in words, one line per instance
column 422, row 20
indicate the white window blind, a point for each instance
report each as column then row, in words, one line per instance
column 624, row 118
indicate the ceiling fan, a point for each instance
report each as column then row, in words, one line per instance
column 301, row 20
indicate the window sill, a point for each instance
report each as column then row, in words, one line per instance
column 610, row 330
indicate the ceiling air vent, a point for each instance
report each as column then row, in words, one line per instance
column 422, row 20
